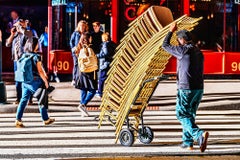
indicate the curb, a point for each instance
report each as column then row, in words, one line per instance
column 11, row 108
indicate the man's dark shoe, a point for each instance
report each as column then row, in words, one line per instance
column 188, row 147
column 202, row 141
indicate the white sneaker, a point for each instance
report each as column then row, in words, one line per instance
column 72, row 83
column 82, row 108
column 97, row 95
column 57, row 79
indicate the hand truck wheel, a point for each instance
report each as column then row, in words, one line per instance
column 126, row 137
column 145, row 135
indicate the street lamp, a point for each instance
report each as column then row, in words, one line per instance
column 3, row 96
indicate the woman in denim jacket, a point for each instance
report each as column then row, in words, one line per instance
column 74, row 40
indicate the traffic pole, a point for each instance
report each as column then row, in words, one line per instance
column 49, row 33
column 3, row 95
column 224, row 24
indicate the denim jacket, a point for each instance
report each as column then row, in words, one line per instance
column 75, row 37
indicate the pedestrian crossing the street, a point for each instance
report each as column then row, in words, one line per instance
column 74, row 136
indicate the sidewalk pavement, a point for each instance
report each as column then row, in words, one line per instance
column 218, row 95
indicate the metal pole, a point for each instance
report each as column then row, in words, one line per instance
column 3, row 95
column 49, row 31
column 224, row 26
column 186, row 4
column 76, row 10
column 115, row 20
column 0, row 56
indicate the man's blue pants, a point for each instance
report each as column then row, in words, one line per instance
column 186, row 108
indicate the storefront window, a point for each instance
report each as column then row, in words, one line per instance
column 91, row 11
column 211, row 31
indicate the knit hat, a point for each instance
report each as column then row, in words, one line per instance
column 184, row 34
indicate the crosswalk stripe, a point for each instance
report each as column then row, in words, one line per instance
column 75, row 136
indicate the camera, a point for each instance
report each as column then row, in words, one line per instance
column 14, row 29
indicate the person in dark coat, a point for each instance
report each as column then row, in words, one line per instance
column 105, row 57
column 96, row 37
column 189, row 84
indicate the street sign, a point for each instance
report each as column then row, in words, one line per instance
column 59, row 2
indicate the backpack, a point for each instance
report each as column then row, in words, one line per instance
column 87, row 60
column 24, row 72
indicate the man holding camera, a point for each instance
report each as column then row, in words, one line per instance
column 17, row 40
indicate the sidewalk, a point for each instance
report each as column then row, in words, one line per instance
column 218, row 95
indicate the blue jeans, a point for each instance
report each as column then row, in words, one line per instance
column 101, row 80
column 186, row 108
column 17, row 84
column 27, row 90
column 87, row 95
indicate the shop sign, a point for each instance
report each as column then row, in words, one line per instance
column 59, row 2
